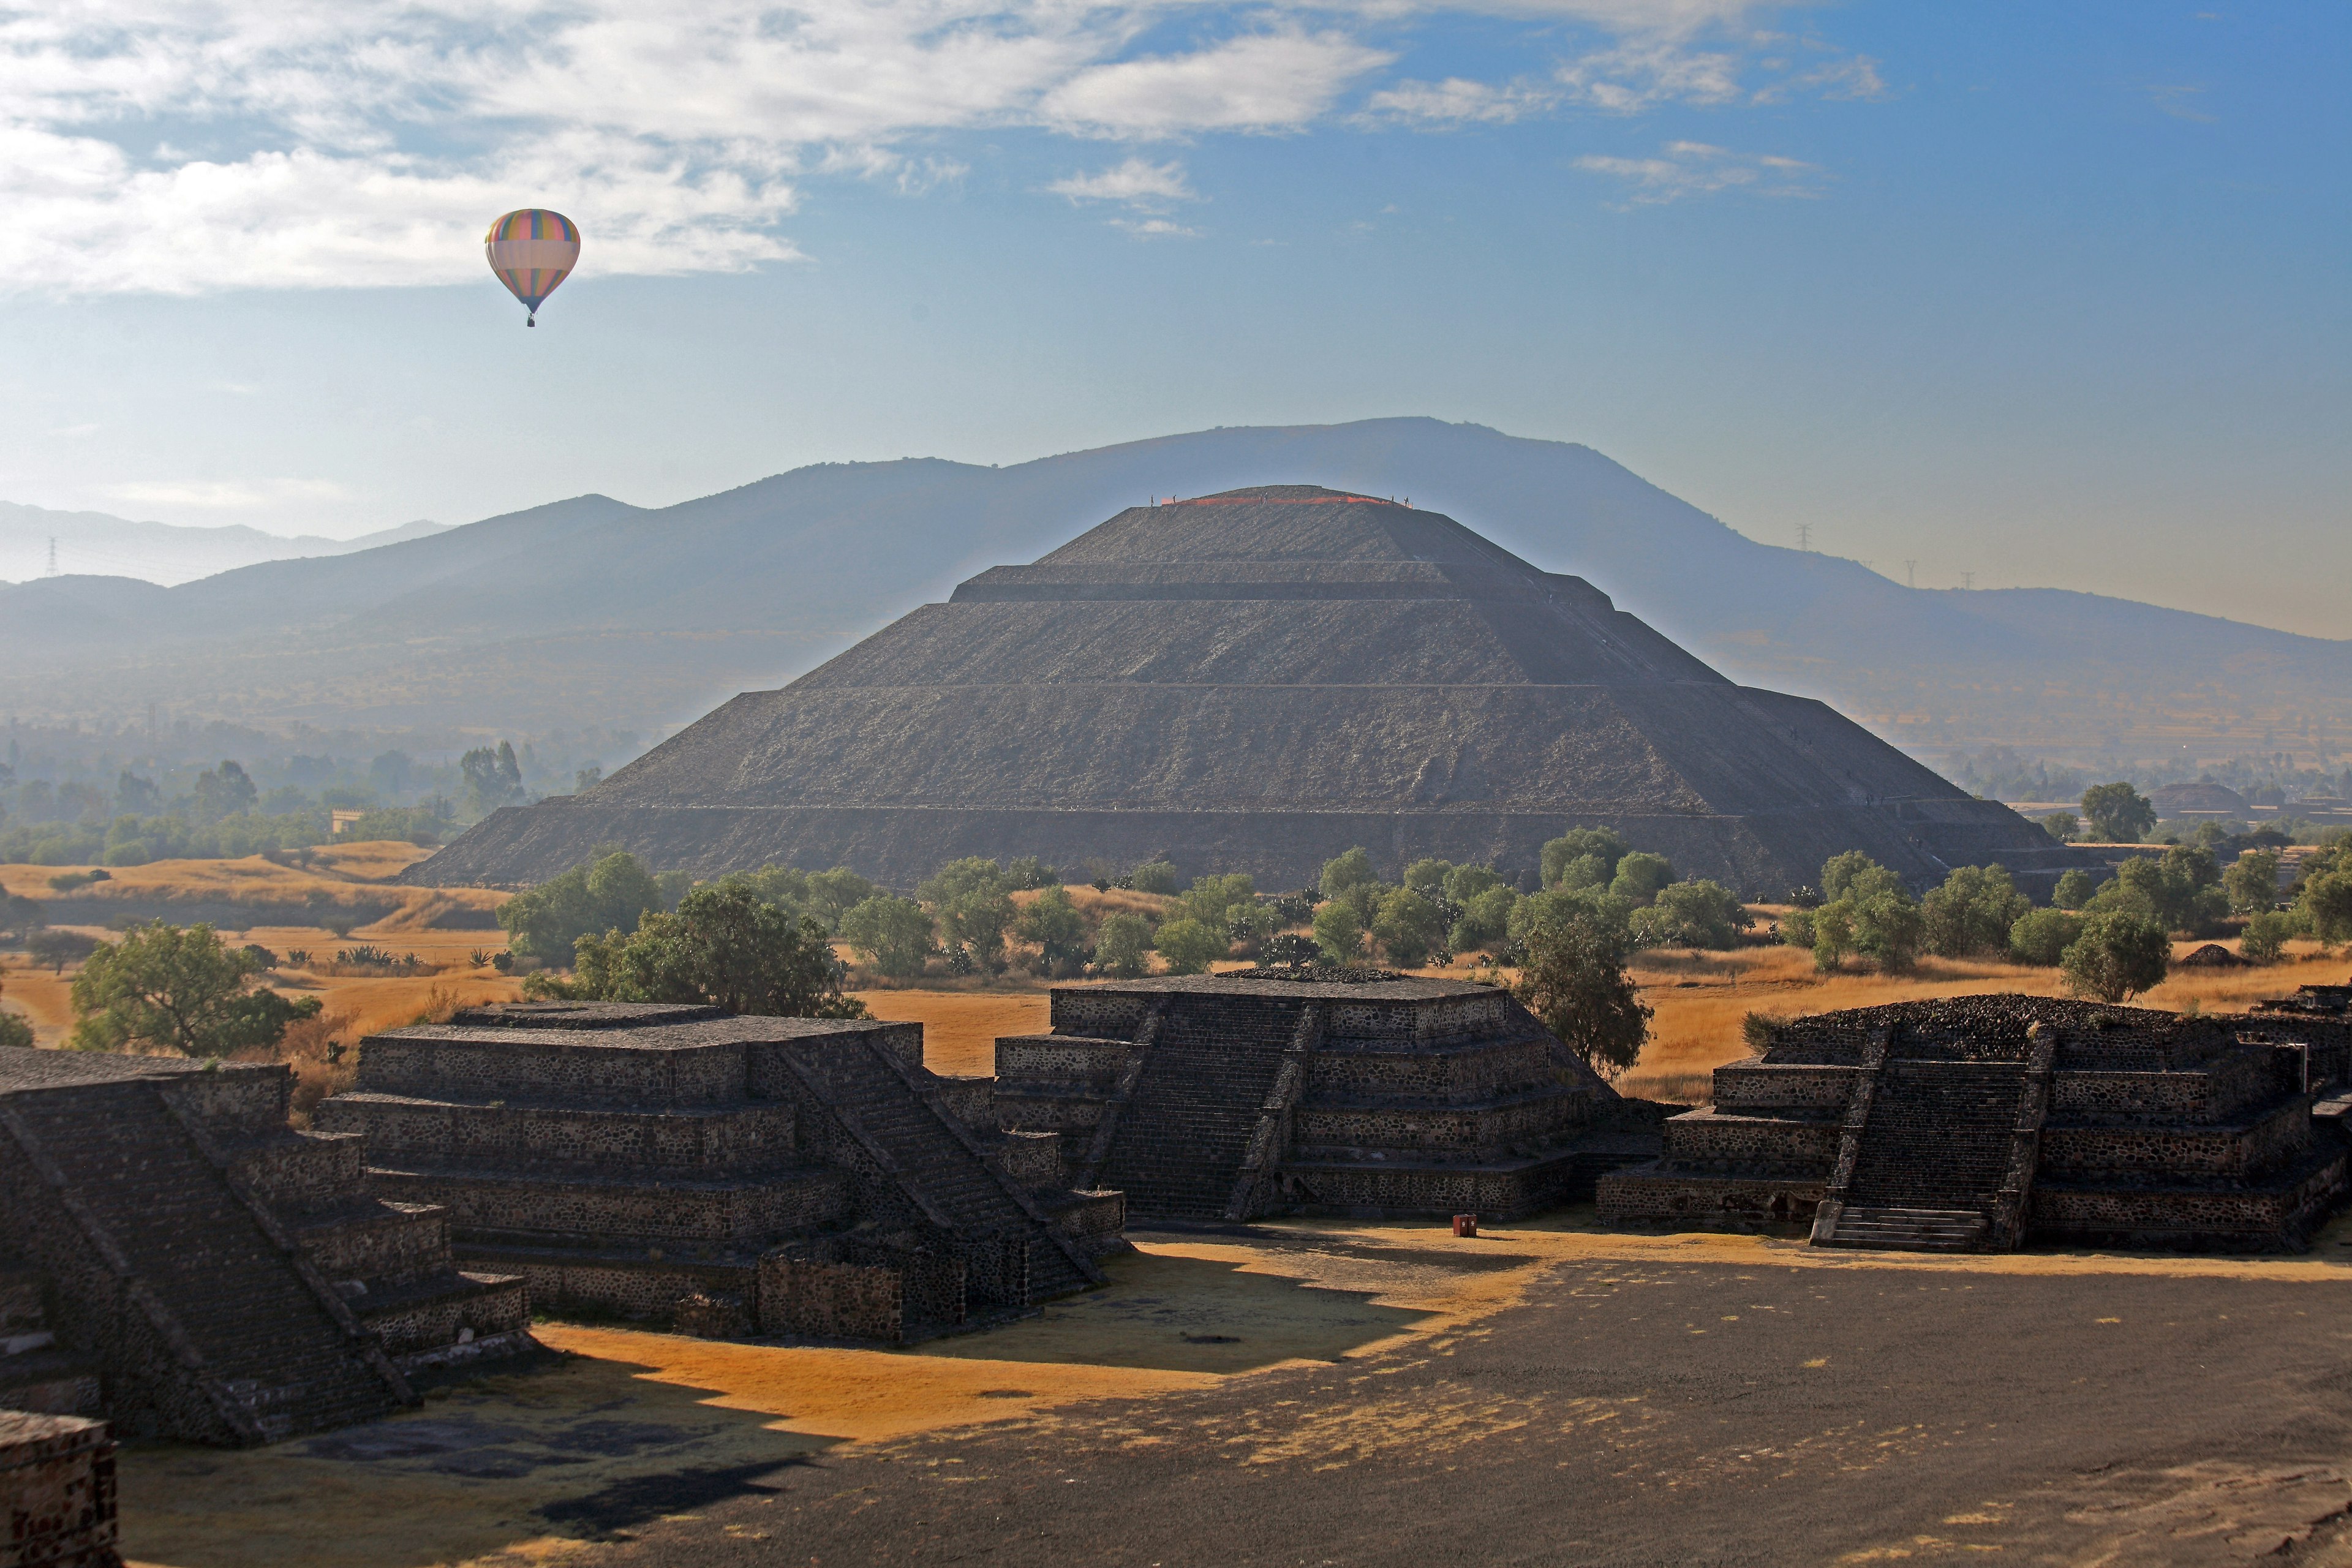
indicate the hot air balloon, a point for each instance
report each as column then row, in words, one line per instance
column 533, row 251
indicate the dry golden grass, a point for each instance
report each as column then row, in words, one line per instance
column 961, row 1027
column 349, row 876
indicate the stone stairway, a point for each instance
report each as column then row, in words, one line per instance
column 261, row 1330
column 934, row 1159
column 1180, row 1147
column 1932, row 1171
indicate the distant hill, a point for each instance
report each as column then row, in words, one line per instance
column 591, row 610
column 91, row 543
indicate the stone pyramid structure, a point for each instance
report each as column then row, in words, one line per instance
column 1255, row 682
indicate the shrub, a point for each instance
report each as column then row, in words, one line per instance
column 1602, row 843
column 724, row 947
column 891, row 935
column 1154, row 876
column 1342, row 872
column 2062, row 825
column 1465, row 883
column 1972, row 913
column 1425, row 875
column 1054, row 923
column 1641, row 875
column 1123, row 945
column 2074, row 889
column 2251, row 884
column 608, row 893
column 1211, row 900
column 1408, row 927
column 129, row 852
column 2180, row 892
column 1291, row 950
column 1028, row 872
column 1338, row 932
column 1486, row 919
column 2265, row 937
column 16, row 1029
column 1699, row 913
column 1870, row 912
column 2041, row 937
column 2119, row 956
column 2325, row 907
column 1574, row 980
column 1190, row 946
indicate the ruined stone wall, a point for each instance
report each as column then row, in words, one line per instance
column 707, row 1139
column 1353, row 1068
column 57, row 1492
column 651, row 1210
column 552, row 1066
column 2243, row 1153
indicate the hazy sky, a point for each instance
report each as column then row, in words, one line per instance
column 2050, row 295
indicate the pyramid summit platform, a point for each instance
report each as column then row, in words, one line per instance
column 1257, row 682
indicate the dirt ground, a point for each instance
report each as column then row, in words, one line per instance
column 1544, row 1393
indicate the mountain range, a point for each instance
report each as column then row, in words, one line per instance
column 592, row 610
column 86, row 542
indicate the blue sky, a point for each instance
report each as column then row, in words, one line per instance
column 2040, row 295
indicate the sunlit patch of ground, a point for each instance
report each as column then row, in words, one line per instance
column 961, row 1027
column 541, row 1464
column 356, row 876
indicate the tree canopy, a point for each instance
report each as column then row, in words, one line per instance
column 1574, row 980
column 2119, row 954
column 178, row 988
column 2118, row 814
column 608, row 893
column 724, row 947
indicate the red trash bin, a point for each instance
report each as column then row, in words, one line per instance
column 1465, row 1224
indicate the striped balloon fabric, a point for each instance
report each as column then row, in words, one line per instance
column 533, row 251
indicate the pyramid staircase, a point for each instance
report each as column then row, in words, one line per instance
column 252, row 1329
column 1937, row 1155
column 940, row 1168
column 1211, row 1075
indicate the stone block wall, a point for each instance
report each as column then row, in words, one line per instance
column 552, row 1065
column 57, row 1492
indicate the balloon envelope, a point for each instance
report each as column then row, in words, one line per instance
column 531, row 251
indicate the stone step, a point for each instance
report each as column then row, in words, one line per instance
column 1908, row 1229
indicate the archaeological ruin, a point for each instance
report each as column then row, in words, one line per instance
column 1236, row 1096
column 1255, row 682
column 730, row 1174
column 181, row 1261
column 1977, row 1123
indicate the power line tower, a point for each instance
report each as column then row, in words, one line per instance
column 1910, row 574
column 1968, row 581
column 53, row 557
column 1804, row 536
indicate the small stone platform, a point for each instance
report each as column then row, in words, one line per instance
column 179, row 1257
column 732, row 1174
column 1230, row 1096
column 57, row 1492
column 1975, row 1123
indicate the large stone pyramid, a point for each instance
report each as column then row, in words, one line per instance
column 1254, row 682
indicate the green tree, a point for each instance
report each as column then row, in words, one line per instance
column 725, row 947
column 1408, row 927
column 2062, row 825
column 1338, row 932
column 177, row 988
column 1888, row 929
column 608, row 893
column 2323, row 907
column 2119, row 956
column 833, row 894
column 1972, row 914
column 1700, row 914
column 57, row 948
column 1428, row 873
column 1212, row 900
column 1839, row 871
column 1342, row 872
column 892, row 935
column 2074, row 889
column 1465, row 883
column 1574, row 980
column 1191, row 945
column 1601, row 843
column 493, row 778
column 1154, row 876
column 223, row 791
column 1559, row 906
column 2265, row 937
column 2041, row 937
column 1029, row 872
column 1052, row 921
column 2179, row 892
column 1870, row 912
column 1123, row 945
column 2117, row 812
column 2251, row 884
column 1486, row 919
column 1640, row 877
column 16, row 1029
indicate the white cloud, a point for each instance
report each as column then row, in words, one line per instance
column 209, row 495
column 1456, row 101
column 187, row 146
column 1154, row 228
column 1137, row 183
column 1694, row 168
column 1262, row 82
